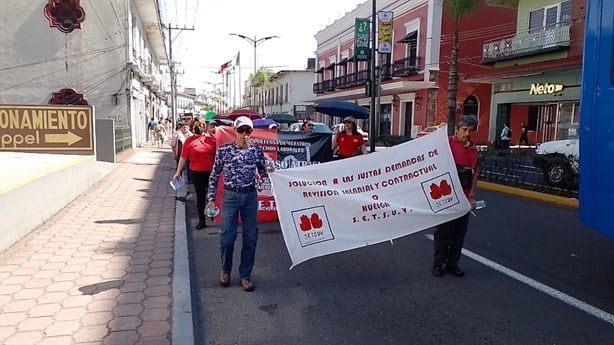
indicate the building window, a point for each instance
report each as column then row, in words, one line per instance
column 385, row 119
column 65, row 15
column 550, row 17
column 470, row 106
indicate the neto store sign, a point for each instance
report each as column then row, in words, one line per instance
column 46, row 128
column 545, row 89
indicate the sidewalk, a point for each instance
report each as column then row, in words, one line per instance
column 101, row 270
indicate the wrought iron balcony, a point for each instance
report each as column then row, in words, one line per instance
column 328, row 85
column 526, row 44
column 341, row 82
column 405, row 67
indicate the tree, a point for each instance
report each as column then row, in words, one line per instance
column 261, row 79
column 458, row 9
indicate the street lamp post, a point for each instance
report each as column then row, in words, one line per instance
column 217, row 98
column 254, row 42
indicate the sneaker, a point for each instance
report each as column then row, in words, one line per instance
column 201, row 225
column 455, row 270
column 438, row 270
column 246, row 285
column 224, row 279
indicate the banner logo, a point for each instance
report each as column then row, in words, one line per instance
column 312, row 226
column 440, row 192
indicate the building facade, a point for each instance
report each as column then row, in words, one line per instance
column 106, row 54
column 290, row 91
column 536, row 70
column 514, row 56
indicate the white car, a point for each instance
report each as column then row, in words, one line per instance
column 559, row 160
column 340, row 127
column 318, row 127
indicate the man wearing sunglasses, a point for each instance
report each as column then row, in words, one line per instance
column 239, row 160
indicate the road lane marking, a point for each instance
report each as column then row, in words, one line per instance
column 563, row 297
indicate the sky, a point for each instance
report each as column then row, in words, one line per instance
column 201, row 52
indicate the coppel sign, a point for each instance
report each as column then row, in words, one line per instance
column 545, row 89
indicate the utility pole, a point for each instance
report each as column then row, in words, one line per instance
column 172, row 70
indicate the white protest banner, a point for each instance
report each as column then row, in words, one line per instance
column 342, row 205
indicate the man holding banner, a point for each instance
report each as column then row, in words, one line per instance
column 238, row 160
column 449, row 236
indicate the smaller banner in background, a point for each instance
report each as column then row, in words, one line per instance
column 362, row 51
column 384, row 33
column 284, row 150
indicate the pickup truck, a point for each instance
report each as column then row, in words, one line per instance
column 558, row 160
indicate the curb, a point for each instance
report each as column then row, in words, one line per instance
column 183, row 327
column 559, row 200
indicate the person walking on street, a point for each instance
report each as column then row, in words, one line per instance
column 160, row 134
column 449, row 237
column 199, row 149
column 151, row 126
column 182, row 132
column 349, row 142
column 506, row 137
column 524, row 134
column 239, row 160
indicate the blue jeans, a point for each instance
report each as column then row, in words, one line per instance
column 233, row 204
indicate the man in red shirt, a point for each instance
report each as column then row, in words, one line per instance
column 449, row 237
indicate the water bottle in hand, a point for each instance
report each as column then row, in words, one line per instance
column 480, row 204
column 212, row 211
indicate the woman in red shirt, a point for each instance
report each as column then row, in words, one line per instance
column 200, row 150
column 349, row 142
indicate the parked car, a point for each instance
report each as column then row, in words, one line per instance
column 318, row 127
column 558, row 160
column 340, row 127
column 428, row 130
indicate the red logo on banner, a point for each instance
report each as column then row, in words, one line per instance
column 443, row 189
column 310, row 223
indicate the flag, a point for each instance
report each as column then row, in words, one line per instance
column 224, row 66
column 238, row 59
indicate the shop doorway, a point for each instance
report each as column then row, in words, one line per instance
column 408, row 118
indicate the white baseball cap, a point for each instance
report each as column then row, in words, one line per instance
column 243, row 121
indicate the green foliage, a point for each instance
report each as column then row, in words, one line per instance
column 262, row 77
column 460, row 8
column 392, row 140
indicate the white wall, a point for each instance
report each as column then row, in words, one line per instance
column 38, row 60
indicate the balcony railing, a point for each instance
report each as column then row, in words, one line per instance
column 328, row 85
column 405, row 67
column 341, row 82
column 348, row 80
column 526, row 44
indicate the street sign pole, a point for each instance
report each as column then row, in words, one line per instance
column 372, row 131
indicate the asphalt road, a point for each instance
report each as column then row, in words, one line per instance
column 386, row 294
